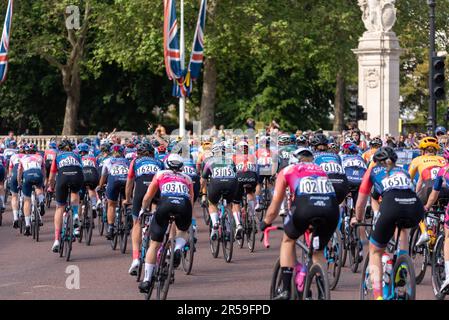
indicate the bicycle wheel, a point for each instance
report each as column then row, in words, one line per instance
column 241, row 241
column 117, row 229
column 69, row 236
column 354, row 249
column 187, row 255
column 82, row 226
column 317, row 284
column 333, row 253
column 37, row 218
column 227, row 236
column 89, row 228
column 276, row 280
column 419, row 255
column 124, row 232
column 169, row 269
column 366, row 288
column 48, row 200
column 100, row 220
column 251, row 233
column 206, row 216
column 404, row 278
column 214, row 244
column 438, row 272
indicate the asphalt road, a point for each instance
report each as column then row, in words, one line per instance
column 29, row 270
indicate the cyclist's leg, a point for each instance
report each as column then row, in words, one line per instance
column 61, row 194
column 140, row 189
column 445, row 285
column 112, row 194
column 213, row 194
column 27, row 187
column 183, row 220
column 2, row 188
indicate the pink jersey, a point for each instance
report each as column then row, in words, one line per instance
column 49, row 155
column 307, row 179
column 173, row 184
column 15, row 160
column 89, row 161
column 31, row 162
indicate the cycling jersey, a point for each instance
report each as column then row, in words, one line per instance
column 116, row 168
column 331, row 164
column 427, row 166
column 383, row 181
column 66, row 159
column 245, row 163
column 189, row 169
column 49, row 155
column 368, row 155
column 284, row 156
column 68, row 166
column 8, row 153
column 130, row 153
column 441, row 182
column 90, row 171
column 13, row 169
column 32, row 166
column 354, row 167
column 223, row 182
column 264, row 162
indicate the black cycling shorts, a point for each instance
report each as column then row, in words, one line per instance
column 114, row 188
column 68, row 177
column 140, row 189
column 341, row 186
column 48, row 168
column 217, row 188
column 245, row 178
column 196, row 187
column 354, row 191
column 91, row 177
column 396, row 205
column 308, row 208
column 181, row 208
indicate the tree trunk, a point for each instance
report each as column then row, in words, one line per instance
column 209, row 94
column 339, row 103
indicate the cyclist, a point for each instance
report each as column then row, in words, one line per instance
column 131, row 150
column 49, row 155
column 285, row 150
column 91, row 177
column 204, row 154
column 334, row 148
column 314, row 197
column 105, row 148
column 176, row 200
column 374, row 144
column 331, row 164
column 10, row 150
column 354, row 167
column 31, row 172
column 115, row 171
column 13, row 183
column 427, row 165
column 141, row 173
column 162, row 152
column 223, row 183
column 442, row 178
column 302, row 141
column 440, row 133
column 265, row 167
column 66, row 172
column 246, row 167
column 399, row 201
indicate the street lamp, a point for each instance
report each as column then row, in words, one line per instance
column 431, row 124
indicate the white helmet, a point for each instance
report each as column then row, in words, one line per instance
column 175, row 162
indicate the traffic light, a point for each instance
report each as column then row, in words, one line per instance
column 360, row 114
column 353, row 111
column 438, row 78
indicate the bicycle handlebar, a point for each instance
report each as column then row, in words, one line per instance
column 266, row 235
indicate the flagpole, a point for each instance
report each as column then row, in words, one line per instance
column 182, row 100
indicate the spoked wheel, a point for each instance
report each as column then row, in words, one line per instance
column 227, row 236
column 438, row 272
column 69, row 237
column 100, row 221
column 168, row 272
column 21, row 222
column 214, row 244
column 317, row 284
column 82, row 227
column 37, row 219
column 355, row 248
column 404, row 279
column 418, row 254
column 241, row 241
column 276, row 280
column 89, row 224
column 187, row 255
column 117, row 230
column 333, row 253
column 124, row 234
column 366, row 287
column 206, row 216
column 251, row 233
column 143, row 253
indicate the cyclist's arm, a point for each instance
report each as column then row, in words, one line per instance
column 53, row 171
column 278, row 197
column 19, row 174
column 364, row 193
column 433, row 197
column 413, row 168
column 130, row 182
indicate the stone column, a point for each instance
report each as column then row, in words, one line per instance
column 378, row 57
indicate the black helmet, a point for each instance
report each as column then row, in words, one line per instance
column 144, row 147
column 318, row 140
column 66, row 144
column 385, row 153
column 375, row 142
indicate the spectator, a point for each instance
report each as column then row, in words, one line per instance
column 250, row 124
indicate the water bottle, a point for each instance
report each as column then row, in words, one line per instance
column 387, row 266
column 347, row 223
column 301, row 272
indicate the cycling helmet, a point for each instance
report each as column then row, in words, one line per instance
column 53, row 145
column 242, row 145
column 376, row 142
column 171, row 145
column 334, row 146
column 429, row 142
column 301, row 140
column 162, row 148
column 83, row 147
column 302, row 152
column 12, row 144
column 32, row 148
column 174, row 162
column 144, row 147
column 26, row 148
column 218, row 149
column 117, row 148
column 87, row 141
column 21, row 148
column 319, row 139
column 66, row 144
column 352, row 147
column 385, row 153
column 440, row 130
column 350, row 140
column 284, row 139
column 105, row 147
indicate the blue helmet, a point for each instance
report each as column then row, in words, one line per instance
column 83, row 147
column 87, row 141
column 53, row 145
column 441, row 130
column 12, row 144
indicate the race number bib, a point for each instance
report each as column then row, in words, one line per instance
column 176, row 188
column 147, row 169
column 119, row 170
column 69, row 161
column 434, row 173
column 189, row 171
column 249, row 167
column 355, row 163
column 265, row 161
column 285, row 155
column 88, row 163
column 332, row 167
column 50, row 156
column 397, row 181
column 31, row 165
column 223, row 172
column 315, row 186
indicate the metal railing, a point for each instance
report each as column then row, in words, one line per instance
column 43, row 141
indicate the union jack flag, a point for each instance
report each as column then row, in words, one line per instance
column 172, row 53
column 4, row 44
column 196, row 59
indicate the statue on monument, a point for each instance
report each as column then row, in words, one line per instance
column 378, row 15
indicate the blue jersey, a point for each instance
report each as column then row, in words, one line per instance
column 66, row 159
column 395, row 179
column 145, row 166
column 189, row 168
column 329, row 162
column 354, row 167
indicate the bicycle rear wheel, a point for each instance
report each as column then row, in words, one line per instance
column 317, row 284
column 438, row 272
column 366, row 288
column 333, row 253
column 187, row 255
column 206, row 216
column 419, row 255
column 251, row 233
column 227, row 236
column 168, row 273
column 69, row 238
column 37, row 218
column 354, row 249
column 89, row 228
column 117, row 230
column 214, row 244
column 124, row 232
column 404, row 278
column 276, row 280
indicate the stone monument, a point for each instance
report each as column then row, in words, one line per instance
column 378, row 56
